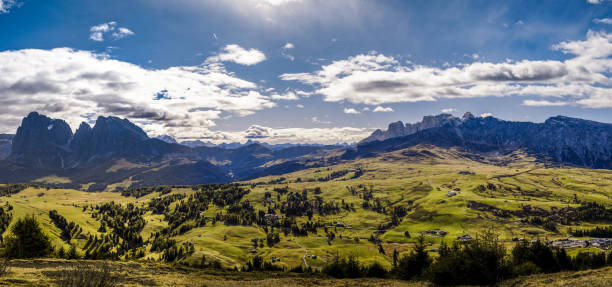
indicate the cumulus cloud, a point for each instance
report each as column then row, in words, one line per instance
column 603, row 21
column 271, row 135
column 381, row 109
column 351, row 111
column 235, row 53
column 96, row 33
column 288, row 46
column 376, row 79
column 448, row 110
column 595, row 1
column 485, row 115
column 80, row 85
column 6, row 5
column 288, row 96
column 544, row 103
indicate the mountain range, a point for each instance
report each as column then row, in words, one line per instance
column 116, row 154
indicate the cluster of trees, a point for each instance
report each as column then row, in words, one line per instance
column 259, row 264
column 126, row 221
column 482, row 261
column 290, row 225
column 13, row 188
column 191, row 209
column 601, row 232
column 241, row 213
column 106, row 246
column 69, row 229
column 161, row 205
column 27, row 240
column 176, row 253
column 142, row 191
column 333, row 175
column 587, row 211
column 298, row 204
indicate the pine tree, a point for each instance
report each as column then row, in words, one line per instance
column 27, row 240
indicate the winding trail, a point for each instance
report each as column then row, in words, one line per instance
column 305, row 252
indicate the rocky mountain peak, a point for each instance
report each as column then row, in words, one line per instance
column 41, row 139
column 467, row 116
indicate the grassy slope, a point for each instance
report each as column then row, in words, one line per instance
column 398, row 178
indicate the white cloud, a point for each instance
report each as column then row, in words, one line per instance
column 299, row 106
column 271, row 135
column 316, row 120
column 376, row 79
column 544, row 103
column 239, row 55
column 96, row 33
column 285, row 53
column 122, row 33
column 80, row 85
column 351, row 111
column 448, row 110
column 595, row 1
column 603, row 21
column 380, row 109
column 6, row 5
column 288, row 96
column 485, row 115
column 519, row 22
column 279, row 2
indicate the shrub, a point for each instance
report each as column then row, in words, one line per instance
column 526, row 268
column 376, row 270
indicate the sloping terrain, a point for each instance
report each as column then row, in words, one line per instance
column 361, row 208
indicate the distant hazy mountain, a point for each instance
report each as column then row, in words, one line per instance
column 559, row 139
column 166, row 138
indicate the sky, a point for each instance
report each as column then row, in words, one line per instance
column 301, row 71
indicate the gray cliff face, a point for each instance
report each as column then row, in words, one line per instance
column 49, row 143
column 398, row 129
column 41, row 141
column 559, row 139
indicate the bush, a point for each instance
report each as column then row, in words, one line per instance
column 526, row 268
column 27, row 240
column 87, row 275
column 376, row 270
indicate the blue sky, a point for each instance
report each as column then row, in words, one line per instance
column 302, row 70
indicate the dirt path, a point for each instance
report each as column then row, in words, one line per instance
column 305, row 253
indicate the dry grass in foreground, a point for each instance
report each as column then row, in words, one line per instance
column 50, row 272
